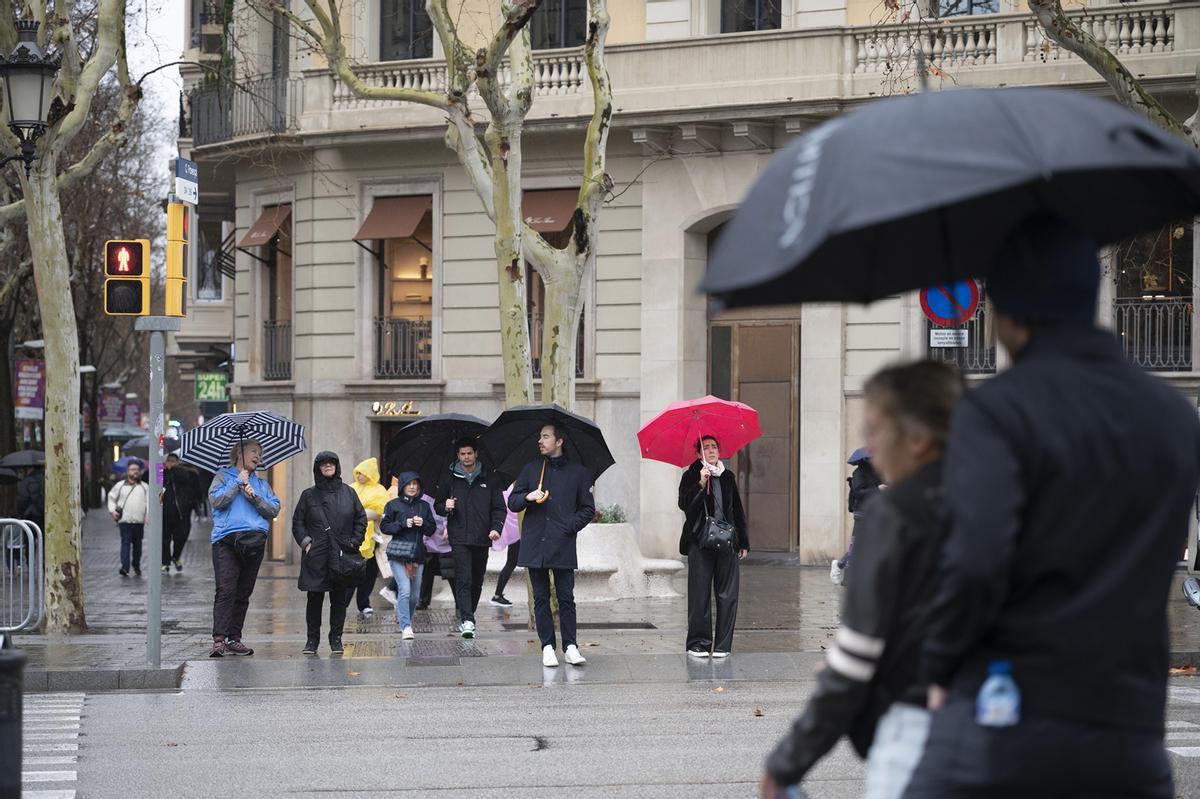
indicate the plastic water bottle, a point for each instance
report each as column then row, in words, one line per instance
column 999, row 701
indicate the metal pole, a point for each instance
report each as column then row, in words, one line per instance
column 154, row 597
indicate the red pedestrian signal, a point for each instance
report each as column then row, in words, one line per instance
column 127, row 277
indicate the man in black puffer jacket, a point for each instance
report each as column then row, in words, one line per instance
column 473, row 503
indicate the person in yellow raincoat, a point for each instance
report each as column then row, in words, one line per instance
column 373, row 497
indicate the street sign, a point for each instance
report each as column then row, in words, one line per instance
column 187, row 180
column 210, row 386
column 941, row 338
column 949, row 304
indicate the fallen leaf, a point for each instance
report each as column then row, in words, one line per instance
column 590, row 643
column 1188, row 669
column 353, row 673
column 720, row 689
column 758, row 711
column 399, row 696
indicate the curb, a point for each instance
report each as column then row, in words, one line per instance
column 1180, row 660
column 45, row 680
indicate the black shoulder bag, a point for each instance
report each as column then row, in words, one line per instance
column 346, row 569
column 717, row 534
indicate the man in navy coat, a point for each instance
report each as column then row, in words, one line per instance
column 556, row 495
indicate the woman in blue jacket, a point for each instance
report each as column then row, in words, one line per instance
column 407, row 518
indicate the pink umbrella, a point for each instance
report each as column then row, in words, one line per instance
column 672, row 436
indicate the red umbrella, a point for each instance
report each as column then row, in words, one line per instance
column 671, row 437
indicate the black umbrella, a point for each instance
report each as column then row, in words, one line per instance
column 141, row 446
column 512, row 438
column 23, row 459
column 8, row 476
column 914, row 191
column 426, row 446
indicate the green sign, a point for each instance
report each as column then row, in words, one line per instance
column 210, row 386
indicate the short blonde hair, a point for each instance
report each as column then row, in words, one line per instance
column 236, row 451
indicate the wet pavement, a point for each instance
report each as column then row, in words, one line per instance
column 787, row 615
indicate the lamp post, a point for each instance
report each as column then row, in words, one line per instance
column 28, row 76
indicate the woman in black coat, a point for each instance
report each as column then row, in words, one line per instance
column 408, row 517
column 329, row 517
column 711, row 570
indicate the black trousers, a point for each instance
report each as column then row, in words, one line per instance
column 432, row 569
column 339, row 598
column 175, row 534
column 510, row 565
column 235, row 575
column 131, row 542
column 564, row 588
column 470, row 567
column 364, row 588
column 708, row 573
column 1037, row 759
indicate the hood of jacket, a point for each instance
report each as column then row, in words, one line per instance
column 320, row 480
column 403, row 479
column 370, row 468
column 457, row 470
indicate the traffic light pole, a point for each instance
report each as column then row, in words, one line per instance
column 156, row 326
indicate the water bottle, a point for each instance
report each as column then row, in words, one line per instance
column 999, row 701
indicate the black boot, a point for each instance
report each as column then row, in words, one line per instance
column 335, row 645
column 310, row 648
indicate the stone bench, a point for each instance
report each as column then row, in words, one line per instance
column 611, row 566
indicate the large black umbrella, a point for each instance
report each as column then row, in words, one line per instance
column 23, row 459
column 512, row 438
column 8, row 476
column 141, row 446
column 914, row 191
column 426, row 446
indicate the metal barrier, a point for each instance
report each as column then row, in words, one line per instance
column 22, row 578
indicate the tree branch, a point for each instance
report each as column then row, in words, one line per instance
column 517, row 14
column 1065, row 32
column 110, row 23
column 596, row 181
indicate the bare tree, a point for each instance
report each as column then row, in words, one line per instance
column 503, row 75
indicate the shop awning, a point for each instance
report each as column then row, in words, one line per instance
column 549, row 211
column 267, row 226
column 394, row 217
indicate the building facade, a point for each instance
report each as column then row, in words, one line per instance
column 346, row 263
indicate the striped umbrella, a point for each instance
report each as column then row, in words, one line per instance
column 208, row 445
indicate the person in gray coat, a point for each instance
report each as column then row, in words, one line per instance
column 556, row 495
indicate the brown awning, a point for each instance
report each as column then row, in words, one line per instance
column 268, row 224
column 549, row 211
column 394, row 217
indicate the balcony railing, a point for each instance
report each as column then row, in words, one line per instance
column 978, row 357
column 1122, row 30
column 1156, row 333
column 403, row 348
column 536, row 326
column 229, row 110
column 277, row 350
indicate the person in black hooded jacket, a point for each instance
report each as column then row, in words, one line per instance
column 709, row 570
column 408, row 518
column 329, row 517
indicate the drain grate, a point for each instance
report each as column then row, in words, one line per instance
column 418, row 650
column 594, row 625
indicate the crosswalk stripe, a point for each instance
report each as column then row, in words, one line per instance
column 1188, row 695
column 1182, row 725
column 47, row 776
column 48, row 794
column 51, row 736
column 46, row 727
column 58, row 760
column 1194, row 735
column 49, row 747
column 1184, row 751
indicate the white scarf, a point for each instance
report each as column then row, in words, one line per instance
column 719, row 466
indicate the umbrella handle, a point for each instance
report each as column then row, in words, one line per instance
column 541, row 477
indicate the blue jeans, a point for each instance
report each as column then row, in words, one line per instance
column 407, row 590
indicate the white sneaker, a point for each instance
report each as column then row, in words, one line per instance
column 407, row 634
column 548, row 658
column 836, row 573
column 697, row 653
column 388, row 594
column 468, row 629
column 719, row 655
column 573, row 657
column 368, row 613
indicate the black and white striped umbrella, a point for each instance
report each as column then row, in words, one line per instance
column 208, row 445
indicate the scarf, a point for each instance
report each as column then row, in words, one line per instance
column 719, row 466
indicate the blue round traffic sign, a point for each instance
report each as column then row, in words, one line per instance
column 949, row 304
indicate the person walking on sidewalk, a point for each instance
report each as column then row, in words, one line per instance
column 406, row 519
column 439, row 561
column 707, row 489
column 127, row 503
column 556, row 495
column 329, row 519
column 180, row 497
column 1070, row 480
column 869, row 690
column 473, row 503
column 374, row 498
column 243, row 506
column 864, row 483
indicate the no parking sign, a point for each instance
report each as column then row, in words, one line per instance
column 950, row 304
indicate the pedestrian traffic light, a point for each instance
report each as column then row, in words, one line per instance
column 127, row 277
column 177, row 241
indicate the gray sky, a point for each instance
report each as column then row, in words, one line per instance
column 154, row 35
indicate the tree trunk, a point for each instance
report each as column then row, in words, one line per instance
column 64, row 577
column 563, row 309
column 8, row 423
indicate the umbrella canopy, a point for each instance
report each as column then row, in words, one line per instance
column 512, row 439
column 914, row 191
column 119, row 466
column 426, row 446
column 858, row 456
column 672, row 436
column 8, row 476
column 208, row 445
column 141, row 446
column 23, row 459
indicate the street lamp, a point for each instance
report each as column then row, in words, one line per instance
column 28, row 76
